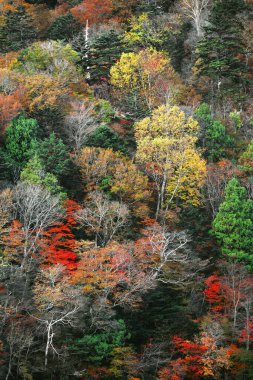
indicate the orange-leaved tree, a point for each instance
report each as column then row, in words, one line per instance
column 93, row 11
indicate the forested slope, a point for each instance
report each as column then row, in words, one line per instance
column 126, row 189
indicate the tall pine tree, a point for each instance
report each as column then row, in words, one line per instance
column 17, row 30
column 233, row 225
column 221, row 50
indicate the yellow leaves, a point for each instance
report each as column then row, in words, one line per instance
column 166, row 146
column 188, row 179
column 124, row 74
column 122, row 177
column 41, row 91
column 150, row 74
column 167, row 122
column 124, row 361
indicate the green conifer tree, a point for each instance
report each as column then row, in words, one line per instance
column 221, row 50
column 20, row 144
column 233, row 225
column 17, row 31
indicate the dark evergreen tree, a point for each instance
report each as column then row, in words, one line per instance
column 54, row 155
column 99, row 55
column 17, row 32
column 105, row 137
column 63, row 28
column 221, row 50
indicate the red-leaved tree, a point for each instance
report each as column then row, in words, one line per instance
column 59, row 242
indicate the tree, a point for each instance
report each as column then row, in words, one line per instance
column 233, row 224
column 217, row 178
column 103, row 217
column 35, row 174
column 147, row 79
column 215, row 138
column 246, row 159
column 194, row 9
column 166, row 149
column 98, row 347
column 57, row 305
column 45, row 71
column 105, row 137
column 80, row 123
column 63, row 27
column 5, row 213
column 41, row 91
column 93, row 11
column 17, row 30
column 230, row 296
column 117, row 175
column 52, row 58
column 36, row 209
column 204, row 357
column 54, row 155
column 100, row 270
column 59, row 242
column 221, row 50
column 20, row 144
column 10, row 106
column 103, row 52
column 145, row 32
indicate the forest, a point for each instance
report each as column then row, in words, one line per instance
column 126, row 189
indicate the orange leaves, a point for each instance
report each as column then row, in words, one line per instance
column 9, row 107
column 102, row 268
column 93, row 11
column 201, row 358
column 14, row 242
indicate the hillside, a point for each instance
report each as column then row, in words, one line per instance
column 126, row 189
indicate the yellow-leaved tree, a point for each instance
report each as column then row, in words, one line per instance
column 166, row 149
column 104, row 169
column 146, row 80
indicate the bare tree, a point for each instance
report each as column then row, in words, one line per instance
column 57, row 302
column 19, row 339
column 217, row 178
column 159, row 257
column 80, row 123
column 36, row 209
column 195, row 9
column 103, row 217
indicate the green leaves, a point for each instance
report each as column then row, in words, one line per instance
column 20, row 144
column 105, row 137
column 97, row 347
column 233, row 225
column 54, row 155
column 221, row 46
column 215, row 139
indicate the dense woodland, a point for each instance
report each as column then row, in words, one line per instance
column 126, row 189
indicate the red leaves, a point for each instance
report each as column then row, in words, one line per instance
column 93, row 11
column 213, row 293
column 185, row 346
column 59, row 242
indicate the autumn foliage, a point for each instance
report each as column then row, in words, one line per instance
column 59, row 242
column 93, row 11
